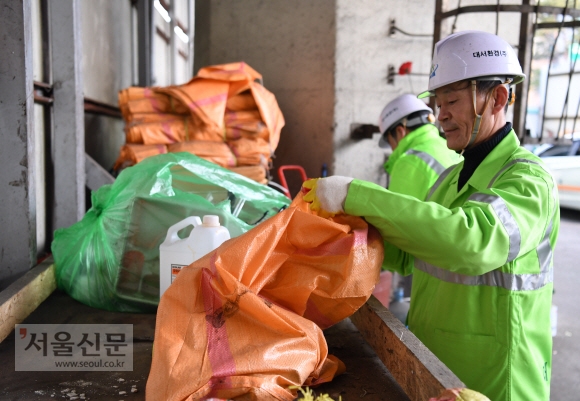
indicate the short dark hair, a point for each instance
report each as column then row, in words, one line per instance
column 485, row 87
column 392, row 128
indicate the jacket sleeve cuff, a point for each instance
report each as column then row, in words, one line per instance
column 358, row 190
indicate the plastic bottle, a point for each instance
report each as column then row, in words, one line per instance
column 399, row 306
column 175, row 252
column 324, row 170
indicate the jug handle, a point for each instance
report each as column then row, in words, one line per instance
column 174, row 229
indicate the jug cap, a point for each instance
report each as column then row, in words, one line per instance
column 211, row 220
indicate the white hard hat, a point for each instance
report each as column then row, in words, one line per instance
column 473, row 54
column 399, row 108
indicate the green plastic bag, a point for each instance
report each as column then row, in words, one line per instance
column 110, row 259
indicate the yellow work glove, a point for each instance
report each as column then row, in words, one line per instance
column 327, row 195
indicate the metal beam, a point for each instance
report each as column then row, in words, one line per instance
column 526, row 43
column 68, row 145
column 190, row 34
column 97, row 176
column 172, row 44
column 144, row 33
column 436, row 36
column 512, row 8
column 201, row 37
column 17, row 172
column 558, row 25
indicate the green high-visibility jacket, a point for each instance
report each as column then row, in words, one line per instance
column 420, row 157
column 482, row 264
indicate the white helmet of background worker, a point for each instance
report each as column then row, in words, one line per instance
column 473, row 56
column 397, row 112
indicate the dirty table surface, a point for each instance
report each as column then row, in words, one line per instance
column 366, row 377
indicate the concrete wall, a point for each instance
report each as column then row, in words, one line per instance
column 326, row 62
column 364, row 50
column 107, row 68
column 292, row 44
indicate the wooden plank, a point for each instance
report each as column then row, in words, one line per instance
column 23, row 296
column 417, row 370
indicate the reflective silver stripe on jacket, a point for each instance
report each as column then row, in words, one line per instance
column 427, row 158
column 545, row 251
column 511, row 164
column 506, row 218
column 497, row 278
column 494, row 278
column 440, row 180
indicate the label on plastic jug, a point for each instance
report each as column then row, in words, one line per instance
column 175, row 269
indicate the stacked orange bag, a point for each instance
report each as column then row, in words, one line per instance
column 223, row 115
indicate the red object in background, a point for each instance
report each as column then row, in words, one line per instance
column 382, row 290
column 405, row 68
column 282, row 177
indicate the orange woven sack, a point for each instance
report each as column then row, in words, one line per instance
column 215, row 152
column 245, row 321
column 153, row 101
column 257, row 172
column 241, row 102
column 251, row 151
column 241, row 116
column 206, row 95
column 145, row 118
column 240, row 75
column 160, row 133
column 233, row 133
column 132, row 154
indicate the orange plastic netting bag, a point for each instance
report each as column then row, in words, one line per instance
column 246, row 320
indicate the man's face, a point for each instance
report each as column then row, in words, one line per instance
column 456, row 114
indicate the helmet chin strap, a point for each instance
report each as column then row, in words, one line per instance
column 477, row 121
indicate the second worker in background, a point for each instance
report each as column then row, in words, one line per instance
column 420, row 154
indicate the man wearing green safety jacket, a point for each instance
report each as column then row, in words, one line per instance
column 419, row 154
column 481, row 246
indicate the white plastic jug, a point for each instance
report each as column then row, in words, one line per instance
column 175, row 252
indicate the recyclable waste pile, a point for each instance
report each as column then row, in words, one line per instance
column 224, row 115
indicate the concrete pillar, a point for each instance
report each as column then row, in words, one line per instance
column 17, row 175
column 68, row 113
column 365, row 49
column 292, row 44
column 144, row 9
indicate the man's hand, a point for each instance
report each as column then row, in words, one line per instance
column 327, row 195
